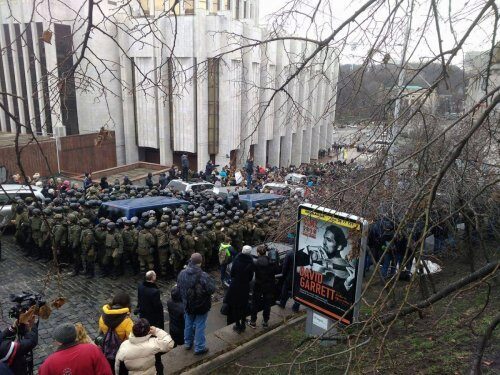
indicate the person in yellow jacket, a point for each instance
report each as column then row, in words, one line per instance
column 116, row 315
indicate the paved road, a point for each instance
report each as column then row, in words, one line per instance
column 84, row 297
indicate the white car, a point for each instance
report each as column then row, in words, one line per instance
column 8, row 192
column 283, row 189
column 296, row 178
column 194, row 186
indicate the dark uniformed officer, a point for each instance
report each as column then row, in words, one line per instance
column 145, row 247
column 176, row 252
column 74, row 234
column 88, row 252
column 114, row 251
column 36, row 234
column 162, row 247
column 129, row 235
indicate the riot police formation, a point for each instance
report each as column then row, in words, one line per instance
column 69, row 228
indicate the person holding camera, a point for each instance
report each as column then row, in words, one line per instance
column 16, row 344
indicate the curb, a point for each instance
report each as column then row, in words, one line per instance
column 221, row 360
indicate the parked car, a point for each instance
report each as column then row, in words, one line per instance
column 8, row 192
column 251, row 200
column 136, row 206
column 283, row 189
column 196, row 186
column 296, row 178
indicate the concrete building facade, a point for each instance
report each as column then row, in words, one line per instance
column 167, row 83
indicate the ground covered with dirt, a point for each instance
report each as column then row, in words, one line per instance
column 439, row 340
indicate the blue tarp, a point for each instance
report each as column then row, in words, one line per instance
column 252, row 199
column 135, row 206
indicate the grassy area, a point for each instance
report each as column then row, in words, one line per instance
column 439, row 343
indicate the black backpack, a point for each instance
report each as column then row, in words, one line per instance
column 198, row 301
column 110, row 344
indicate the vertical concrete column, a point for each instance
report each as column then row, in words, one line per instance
column 297, row 139
column 53, row 78
column 286, row 149
column 132, row 154
column 314, row 142
column 39, row 83
column 329, row 133
column 17, row 75
column 166, row 155
column 8, row 82
column 306, row 145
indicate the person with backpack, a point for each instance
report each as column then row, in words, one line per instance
column 238, row 293
column 196, row 288
column 263, row 291
column 226, row 254
column 115, row 325
column 137, row 354
column 72, row 357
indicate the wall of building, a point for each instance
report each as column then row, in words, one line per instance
column 77, row 154
column 156, row 99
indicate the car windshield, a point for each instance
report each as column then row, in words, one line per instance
column 199, row 188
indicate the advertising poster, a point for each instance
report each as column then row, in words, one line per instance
column 329, row 252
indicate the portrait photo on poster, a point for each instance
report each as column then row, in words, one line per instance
column 326, row 261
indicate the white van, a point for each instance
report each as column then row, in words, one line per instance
column 8, row 192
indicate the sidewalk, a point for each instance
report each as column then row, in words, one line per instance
column 221, row 339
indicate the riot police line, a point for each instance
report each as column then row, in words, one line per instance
column 70, row 228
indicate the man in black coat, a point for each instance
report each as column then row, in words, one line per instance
column 238, row 293
column 175, row 309
column 149, row 304
column 288, row 271
column 149, row 307
column 263, row 291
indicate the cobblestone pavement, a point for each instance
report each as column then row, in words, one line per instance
column 84, row 297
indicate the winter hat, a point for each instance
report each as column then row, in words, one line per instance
column 246, row 249
column 141, row 328
column 65, row 333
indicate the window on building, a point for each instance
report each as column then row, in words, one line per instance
column 226, row 4
column 189, row 6
column 245, row 9
column 159, row 5
column 145, row 6
column 203, row 4
column 215, row 6
column 213, row 105
column 173, row 8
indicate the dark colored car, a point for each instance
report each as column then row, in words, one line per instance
column 251, row 200
column 136, row 206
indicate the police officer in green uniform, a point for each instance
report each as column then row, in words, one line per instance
column 176, row 252
column 36, row 234
column 212, row 244
column 46, row 234
column 22, row 221
column 145, row 247
column 74, row 236
column 162, row 247
column 259, row 235
column 88, row 252
column 100, row 241
column 114, row 251
column 200, row 244
column 60, row 238
column 187, row 242
column 129, row 235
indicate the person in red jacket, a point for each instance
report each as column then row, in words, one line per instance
column 73, row 358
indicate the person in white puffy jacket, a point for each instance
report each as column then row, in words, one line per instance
column 137, row 354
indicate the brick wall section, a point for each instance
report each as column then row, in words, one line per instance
column 78, row 154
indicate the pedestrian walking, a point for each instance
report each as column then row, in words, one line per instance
column 137, row 354
column 196, row 288
column 238, row 293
